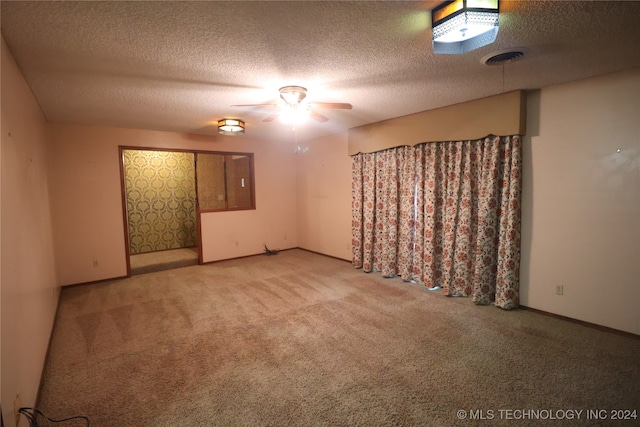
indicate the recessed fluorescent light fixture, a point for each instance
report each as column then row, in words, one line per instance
column 460, row 26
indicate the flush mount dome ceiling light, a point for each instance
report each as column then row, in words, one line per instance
column 230, row 126
column 460, row 26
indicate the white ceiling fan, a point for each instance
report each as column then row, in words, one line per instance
column 295, row 108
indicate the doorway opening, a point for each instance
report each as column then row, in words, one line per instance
column 161, row 215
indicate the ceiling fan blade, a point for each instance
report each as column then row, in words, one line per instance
column 318, row 117
column 271, row 117
column 334, row 105
column 256, row 105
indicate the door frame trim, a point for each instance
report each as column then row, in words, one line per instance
column 123, row 192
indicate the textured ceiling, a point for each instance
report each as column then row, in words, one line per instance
column 179, row 66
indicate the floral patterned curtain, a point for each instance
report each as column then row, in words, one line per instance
column 379, row 180
column 445, row 214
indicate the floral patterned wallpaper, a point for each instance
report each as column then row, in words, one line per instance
column 161, row 193
column 211, row 181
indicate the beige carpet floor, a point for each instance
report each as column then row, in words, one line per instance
column 151, row 262
column 301, row 339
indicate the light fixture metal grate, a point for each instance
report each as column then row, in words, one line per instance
column 503, row 57
column 486, row 19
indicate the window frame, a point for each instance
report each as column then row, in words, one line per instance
column 252, row 178
column 252, row 182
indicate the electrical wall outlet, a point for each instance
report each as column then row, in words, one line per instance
column 559, row 289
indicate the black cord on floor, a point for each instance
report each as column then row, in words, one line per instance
column 271, row 251
column 32, row 415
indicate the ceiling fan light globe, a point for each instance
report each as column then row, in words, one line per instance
column 294, row 114
column 293, row 94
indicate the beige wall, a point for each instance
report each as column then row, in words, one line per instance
column 29, row 288
column 581, row 209
column 324, row 196
column 238, row 233
column 87, row 201
column 581, row 201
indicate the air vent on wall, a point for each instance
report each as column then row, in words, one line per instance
column 499, row 58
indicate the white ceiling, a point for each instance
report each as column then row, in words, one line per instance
column 179, row 66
